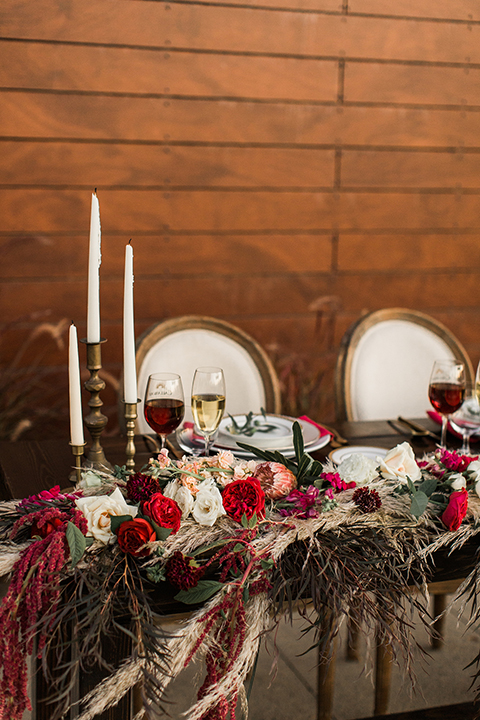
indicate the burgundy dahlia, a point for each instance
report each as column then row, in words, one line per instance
column 141, row 487
column 366, row 500
column 182, row 571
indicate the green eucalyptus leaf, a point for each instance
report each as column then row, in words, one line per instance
column 162, row 533
column 411, row 486
column 201, row 592
column 428, row 486
column 76, row 542
column 253, row 520
column 244, row 521
column 419, row 504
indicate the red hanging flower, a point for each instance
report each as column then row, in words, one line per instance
column 244, row 497
column 456, row 509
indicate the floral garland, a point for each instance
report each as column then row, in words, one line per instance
column 234, row 539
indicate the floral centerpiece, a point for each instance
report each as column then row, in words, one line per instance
column 234, row 541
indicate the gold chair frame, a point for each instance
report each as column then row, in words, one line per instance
column 265, row 366
column 350, row 340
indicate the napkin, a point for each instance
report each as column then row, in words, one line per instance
column 436, row 417
column 323, row 431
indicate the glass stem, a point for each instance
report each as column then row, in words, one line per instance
column 465, row 449
column 207, row 445
column 443, row 440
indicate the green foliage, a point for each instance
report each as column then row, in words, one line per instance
column 76, row 542
column 198, row 594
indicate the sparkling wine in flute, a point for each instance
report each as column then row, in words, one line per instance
column 208, row 401
column 207, row 411
column 164, row 404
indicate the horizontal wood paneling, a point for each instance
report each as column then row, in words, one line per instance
column 153, row 211
column 203, row 27
column 34, row 257
column 439, row 10
column 167, row 297
column 438, row 85
column 261, row 156
column 410, row 169
column 154, row 165
column 127, row 70
column 83, row 117
column 418, row 253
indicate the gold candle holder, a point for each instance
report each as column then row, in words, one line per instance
column 77, row 451
column 95, row 420
column 130, row 414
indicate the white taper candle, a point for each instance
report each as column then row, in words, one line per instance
column 94, row 261
column 129, row 365
column 75, row 393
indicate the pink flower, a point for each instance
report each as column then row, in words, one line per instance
column 275, row 479
column 337, row 483
column 303, row 501
column 453, row 460
column 456, row 509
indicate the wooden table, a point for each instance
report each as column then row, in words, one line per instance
column 26, row 468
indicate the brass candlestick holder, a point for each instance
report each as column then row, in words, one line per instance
column 95, row 420
column 130, row 414
column 77, row 451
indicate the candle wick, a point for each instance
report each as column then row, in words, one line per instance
column 95, row 191
column 130, row 241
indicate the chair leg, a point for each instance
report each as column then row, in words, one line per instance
column 439, row 605
column 325, row 683
column 383, row 674
column 353, row 642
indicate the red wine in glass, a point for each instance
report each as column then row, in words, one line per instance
column 446, row 390
column 446, row 398
column 164, row 403
column 164, row 416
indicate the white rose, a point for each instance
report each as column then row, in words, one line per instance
column 399, row 463
column 90, row 479
column 474, row 470
column 97, row 510
column 457, row 481
column 182, row 496
column 358, row 468
column 208, row 504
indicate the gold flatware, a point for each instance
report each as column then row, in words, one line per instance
column 418, row 430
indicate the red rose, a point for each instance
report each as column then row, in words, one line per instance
column 456, row 509
column 164, row 511
column 133, row 534
column 46, row 529
column 244, row 497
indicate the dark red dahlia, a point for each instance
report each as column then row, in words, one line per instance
column 366, row 500
column 182, row 571
column 141, row 487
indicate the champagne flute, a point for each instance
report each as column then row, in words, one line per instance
column 208, row 401
column 446, row 390
column 164, row 404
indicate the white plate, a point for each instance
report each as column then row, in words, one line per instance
column 193, row 446
column 342, row 453
column 279, row 438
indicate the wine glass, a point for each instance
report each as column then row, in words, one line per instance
column 446, row 390
column 164, row 405
column 466, row 420
column 208, row 401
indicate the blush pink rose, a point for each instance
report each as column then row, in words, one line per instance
column 276, row 480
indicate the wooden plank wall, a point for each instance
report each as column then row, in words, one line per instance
column 261, row 155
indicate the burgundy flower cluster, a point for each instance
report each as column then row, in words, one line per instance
column 32, row 597
column 368, row 501
column 182, row 571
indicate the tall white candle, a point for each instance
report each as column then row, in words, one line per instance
column 94, row 261
column 76, row 421
column 129, row 365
